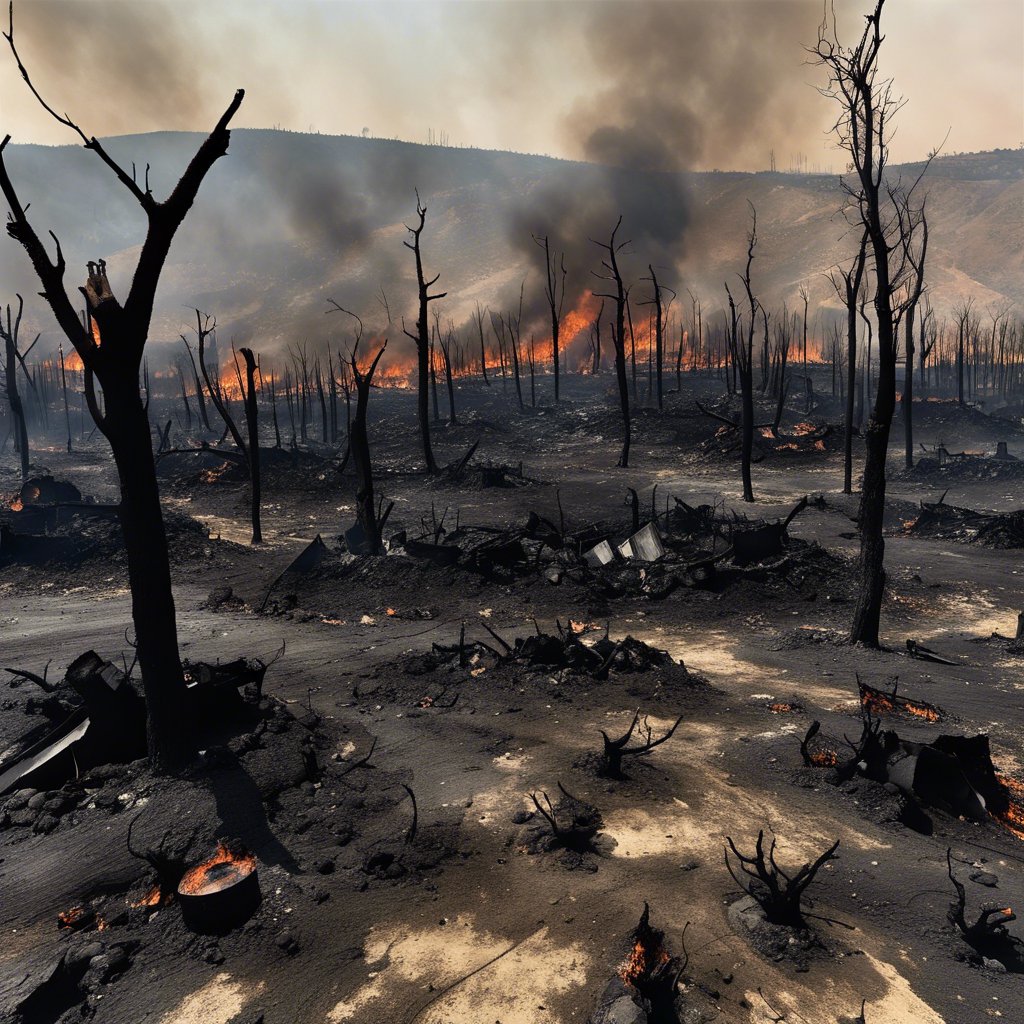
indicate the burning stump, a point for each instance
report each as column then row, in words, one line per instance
column 222, row 892
column 645, row 989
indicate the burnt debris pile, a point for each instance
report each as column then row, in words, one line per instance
column 940, row 521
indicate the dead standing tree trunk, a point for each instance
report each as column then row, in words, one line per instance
column 253, row 428
column 478, row 317
column 206, row 327
column 9, row 334
column 422, row 335
column 907, row 398
column 619, row 297
column 887, row 212
column 366, row 507
column 847, row 286
column 660, row 314
column 112, row 355
column 743, row 359
column 554, row 292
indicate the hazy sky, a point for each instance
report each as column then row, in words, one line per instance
column 725, row 81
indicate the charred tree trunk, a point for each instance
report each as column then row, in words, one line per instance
column 620, row 298
column 478, row 316
column 359, row 445
column 253, row 426
column 891, row 219
column 907, row 399
column 273, row 410
column 114, row 358
column 446, row 354
column 422, row 336
column 847, row 284
column 17, row 407
column 64, row 388
column 554, row 292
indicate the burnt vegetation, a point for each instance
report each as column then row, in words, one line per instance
column 690, row 492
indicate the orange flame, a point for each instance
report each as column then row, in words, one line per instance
column 642, row 962
column 1013, row 817
column 153, row 898
column 223, row 868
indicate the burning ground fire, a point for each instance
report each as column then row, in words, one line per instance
column 1013, row 817
column 642, row 962
column 878, row 702
column 221, row 870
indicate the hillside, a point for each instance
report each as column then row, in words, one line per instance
column 286, row 220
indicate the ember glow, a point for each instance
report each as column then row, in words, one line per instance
column 1013, row 817
column 879, row 703
column 642, row 962
column 153, row 898
column 223, row 869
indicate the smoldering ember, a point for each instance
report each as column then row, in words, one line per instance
column 512, row 512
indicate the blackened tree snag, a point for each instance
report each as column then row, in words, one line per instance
column 847, row 284
column 660, row 313
column 12, row 355
column 367, row 513
column 778, row 893
column 554, row 292
column 478, row 319
column 446, row 342
column 422, row 335
column 615, row 750
column 252, row 422
column 891, row 218
column 64, row 388
column 111, row 347
column 619, row 297
column 206, row 327
column 907, row 398
column 366, row 508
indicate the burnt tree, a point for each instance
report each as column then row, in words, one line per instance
column 847, row 283
column 889, row 215
column 111, row 348
column 907, row 398
column 619, row 297
column 252, row 422
column 12, row 356
column 206, row 328
column 478, row 319
column 660, row 313
column 366, row 507
column 742, row 349
column 554, row 292
column 422, row 335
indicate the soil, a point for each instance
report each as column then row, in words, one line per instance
column 474, row 914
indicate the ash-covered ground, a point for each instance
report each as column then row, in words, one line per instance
column 422, row 884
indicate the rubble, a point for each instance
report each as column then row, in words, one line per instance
column 948, row 522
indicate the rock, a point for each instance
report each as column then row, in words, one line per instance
column 994, row 965
column 985, row 878
column 79, row 956
column 23, row 818
column 286, row 941
column 36, row 802
column 45, row 824
column 56, row 805
column 622, row 1011
column 521, row 817
column 19, row 799
column 219, row 596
